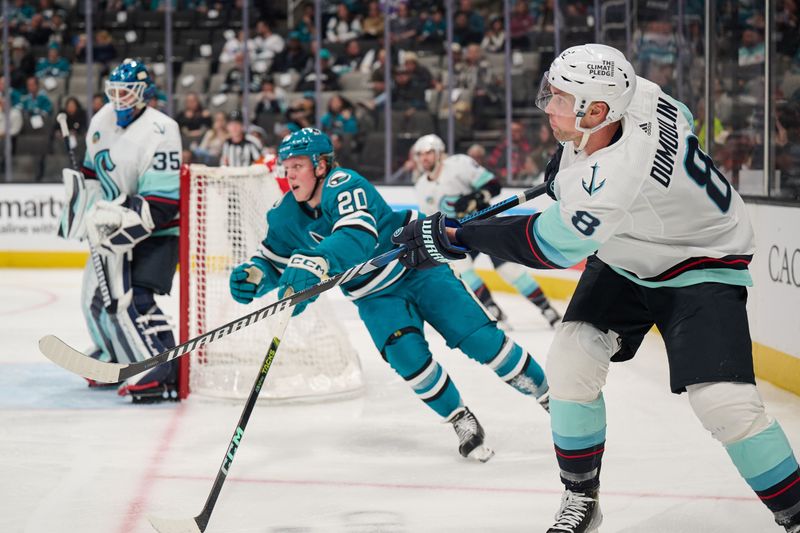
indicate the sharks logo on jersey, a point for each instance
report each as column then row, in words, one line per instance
column 338, row 178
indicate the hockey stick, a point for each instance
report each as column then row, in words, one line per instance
column 107, row 372
column 199, row 523
column 97, row 261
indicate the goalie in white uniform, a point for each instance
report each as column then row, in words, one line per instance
column 668, row 243
column 457, row 186
column 128, row 210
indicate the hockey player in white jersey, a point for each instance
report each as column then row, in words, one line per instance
column 456, row 186
column 673, row 243
column 130, row 216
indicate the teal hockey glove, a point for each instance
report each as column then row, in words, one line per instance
column 302, row 272
column 249, row 281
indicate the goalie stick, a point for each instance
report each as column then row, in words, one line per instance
column 97, row 262
column 199, row 523
column 107, row 372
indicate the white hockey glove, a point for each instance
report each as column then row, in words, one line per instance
column 80, row 196
column 302, row 272
column 115, row 229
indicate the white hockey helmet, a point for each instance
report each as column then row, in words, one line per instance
column 591, row 73
column 427, row 143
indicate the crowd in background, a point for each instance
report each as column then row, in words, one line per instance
column 48, row 74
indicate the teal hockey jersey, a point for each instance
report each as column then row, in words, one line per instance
column 352, row 224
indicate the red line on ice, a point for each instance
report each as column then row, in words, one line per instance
column 139, row 501
column 50, row 298
column 456, row 488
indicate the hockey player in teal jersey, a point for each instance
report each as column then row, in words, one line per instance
column 333, row 219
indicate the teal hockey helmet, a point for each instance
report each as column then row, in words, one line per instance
column 309, row 142
column 128, row 88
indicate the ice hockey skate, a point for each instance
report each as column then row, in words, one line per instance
column 470, row 435
column 579, row 513
column 551, row 315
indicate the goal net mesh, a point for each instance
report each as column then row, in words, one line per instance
column 226, row 222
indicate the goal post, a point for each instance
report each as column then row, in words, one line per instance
column 223, row 220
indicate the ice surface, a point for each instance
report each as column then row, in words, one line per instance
column 79, row 460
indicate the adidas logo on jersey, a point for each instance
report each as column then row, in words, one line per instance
column 647, row 127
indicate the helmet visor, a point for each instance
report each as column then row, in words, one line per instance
column 554, row 102
column 124, row 95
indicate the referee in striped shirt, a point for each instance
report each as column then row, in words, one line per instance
column 239, row 150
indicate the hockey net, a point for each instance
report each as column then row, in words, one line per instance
column 223, row 220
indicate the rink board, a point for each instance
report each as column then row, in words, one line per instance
column 29, row 215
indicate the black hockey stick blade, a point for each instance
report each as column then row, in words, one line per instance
column 106, row 372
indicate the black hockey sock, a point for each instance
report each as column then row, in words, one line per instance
column 783, row 499
column 580, row 469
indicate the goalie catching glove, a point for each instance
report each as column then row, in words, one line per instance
column 427, row 244
column 302, row 271
column 116, row 227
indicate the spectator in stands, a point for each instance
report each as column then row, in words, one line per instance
column 266, row 44
column 344, row 148
column 210, row 149
column 543, row 147
column 434, row 29
column 329, row 78
column 700, row 125
column 354, row 60
column 494, row 41
column 752, row 53
column 234, row 79
column 76, row 118
column 241, row 149
column 421, row 77
column 403, row 27
column 35, row 102
column 271, row 99
column 193, row 120
column 232, row 48
column 20, row 14
column 59, row 28
column 22, row 62
column 305, row 28
column 300, row 114
column 53, row 65
column 294, row 56
column 657, row 46
column 476, row 22
column 15, row 121
column 478, row 153
column 520, row 148
column 343, row 27
column 98, row 101
column 340, row 117
column 407, row 96
column 475, row 74
column 522, row 23
column 463, row 33
column 38, row 33
column 104, row 50
column 372, row 25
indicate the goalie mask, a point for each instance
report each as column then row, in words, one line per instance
column 128, row 88
column 590, row 73
column 424, row 144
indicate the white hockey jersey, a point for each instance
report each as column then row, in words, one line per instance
column 652, row 204
column 460, row 175
column 143, row 159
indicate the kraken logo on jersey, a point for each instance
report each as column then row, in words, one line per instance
column 447, row 204
column 591, row 188
column 103, row 165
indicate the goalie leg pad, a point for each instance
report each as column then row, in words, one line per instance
column 407, row 352
column 578, row 360
column 95, row 315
